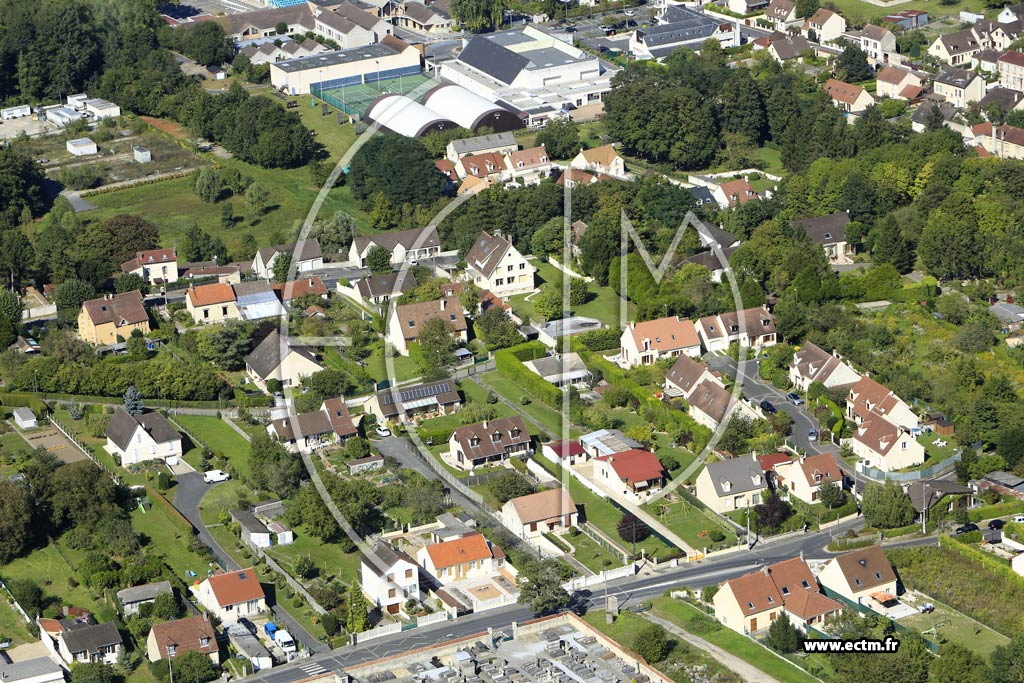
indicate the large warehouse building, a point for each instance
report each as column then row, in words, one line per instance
column 388, row 59
column 469, row 110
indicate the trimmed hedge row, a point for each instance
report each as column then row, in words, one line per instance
column 997, row 510
column 996, row 564
column 176, row 517
column 509, row 362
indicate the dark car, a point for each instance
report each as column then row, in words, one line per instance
column 967, row 528
column 570, row 29
column 794, row 398
column 996, row 524
column 767, row 407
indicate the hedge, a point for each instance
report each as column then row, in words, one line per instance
column 996, row 564
column 997, row 510
column 439, row 435
column 20, row 400
column 600, row 340
column 172, row 512
column 509, row 362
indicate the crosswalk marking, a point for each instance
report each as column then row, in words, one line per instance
column 312, row 668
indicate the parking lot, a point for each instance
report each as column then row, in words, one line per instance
column 589, row 33
column 12, row 128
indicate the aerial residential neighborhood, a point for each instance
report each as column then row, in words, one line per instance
column 422, row 340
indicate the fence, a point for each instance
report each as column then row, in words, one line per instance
column 926, row 473
column 388, row 629
column 85, row 449
column 295, row 585
column 598, row 579
column 867, row 611
column 15, row 602
column 602, row 540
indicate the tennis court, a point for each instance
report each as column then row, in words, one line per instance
column 354, row 99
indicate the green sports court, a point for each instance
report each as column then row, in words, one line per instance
column 354, row 99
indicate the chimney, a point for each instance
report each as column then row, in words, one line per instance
column 444, row 302
column 767, row 571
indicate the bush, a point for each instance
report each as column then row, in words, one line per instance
column 601, row 340
column 509, row 362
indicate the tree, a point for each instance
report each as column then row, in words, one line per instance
column 282, row 264
column 274, row 469
column 208, row 185
column 782, row 635
column 193, row 666
column 631, row 529
column 852, row 65
column 578, row 292
column 329, row 622
column 476, row 15
column 831, row 495
column 95, row 672
column 131, row 282
column 1010, row 444
column 257, row 200
column 206, row 43
column 949, row 245
column 133, row 403
column 197, row 245
column 335, row 234
column 224, row 345
column 127, row 234
column 651, row 643
column 1006, row 664
column 16, row 528
column 305, row 567
column 540, row 587
column 806, row 8
column 399, row 167
column 888, row 246
column 887, row 507
column 496, row 329
column 378, row 260
column 437, row 346
column 10, row 318
column 548, row 303
column 560, row 138
column 771, row 512
column 956, row 664
column 358, row 618
column 21, row 185
column 741, row 107
column 509, row 485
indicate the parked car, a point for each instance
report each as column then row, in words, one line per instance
column 570, row 29
column 630, row 13
column 604, row 27
column 1018, row 519
column 966, row 528
column 996, row 524
column 382, row 431
column 794, row 398
column 767, row 407
column 812, row 434
column 214, row 476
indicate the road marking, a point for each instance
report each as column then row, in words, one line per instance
column 313, row 668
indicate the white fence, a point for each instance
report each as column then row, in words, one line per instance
column 543, row 476
column 388, row 629
column 493, row 603
column 432, row 618
column 597, row 579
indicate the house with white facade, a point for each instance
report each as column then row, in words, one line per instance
column 275, row 358
column 824, row 26
column 647, row 342
column 863, row 576
column 405, row 246
column 898, row 83
column 408, row 320
column 732, row 484
column 489, row 442
column 550, row 511
column 780, row 15
column 318, row 429
column 813, row 364
column 495, row 264
column 879, row 44
column 137, row 438
column 751, row 328
column 959, row 86
column 89, row 643
column 634, row 474
column 156, row 266
column 884, row 427
column 600, row 160
column 803, row 477
column 232, row 595
column 389, row 577
column 468, row 557
column 305, row 256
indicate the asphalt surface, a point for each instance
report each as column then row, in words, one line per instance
column 630, row 592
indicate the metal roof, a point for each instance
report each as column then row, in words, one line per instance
column 327, row 59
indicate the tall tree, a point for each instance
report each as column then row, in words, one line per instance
column 378, row 260
column 888, row 246
column 740, row 107
column 398, row 166
column 540, row 587
column 560, row 138
column 437, row 346
column 358, row 618
column 16, row 528
column 133, row 403
column 886, row 506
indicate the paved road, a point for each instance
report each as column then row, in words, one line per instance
column 630, row 592
column 190, row 491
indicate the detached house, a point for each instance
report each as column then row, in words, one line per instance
column 750, row 603
column 878, row 43
column 132, row 599
column 89, row 643
column 752, row 328
column 898, row 83
column 862, row 574
column 781, row 15
column 634, row 474
column 829, row 232
column 1004, row 142
column 469, row 557
column 112, row 318
column 305, row 256
column 156, row 266
column 389, row 577
column 884, row 427
column 812, row 364
column 647, row 342
column 169, row 639
column 402, row 403
column 824, row 26
column 550, row 511
column 803, row 477
column 137, row 438
column 956, row 48
column 734, row 192
column 495, row 264
column 487, row 442
column 600, row 160
column 852, row 99
column 309, row 432
column 684, row 376
column 276, row 358
column 733, row 484
column 376, row 291
column 959, row 86
column 232, row 596
column 528, row 166
column 212, row 303
column 406, row 246
column 407, row 321
column 710, row 404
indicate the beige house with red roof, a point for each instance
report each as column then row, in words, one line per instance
column 232, row 595
column 551, row 511
column 487, row 165
column 469, row 557
column 850, row 98
column 156, row 266
column 169, row 639
column 752, row 328
column 862, row 576
column 488, row 443
column 212, row 303
column 883, row 434
column 1010, row 66
column 803, row 477
column 647, row 342
column 112, row 318
column 897, row 83
column 750, row 603
column 496, row 265
column 634, row 473
column 734, row 192
column 824, row 26
column 603, row 159
column 1005, row 142
column 407, row 321
column 528, row 166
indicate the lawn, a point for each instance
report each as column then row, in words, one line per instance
column 858, row 12
column 692, row 524
column 169, row 541
column 937, row 452
column 333, row 563
column 603, row 304
column 335, row 137
column 219, row 437
column 548, row 417
column 946, row 624
column 405, row 368
column 49, row 564
column 223, row 496
column 750, row 651
column 12, row 626
column 590, row 553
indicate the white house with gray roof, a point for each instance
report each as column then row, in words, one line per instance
column 733, row 484
column 562, row 370
column 132, row 599
column 389, row 577
column 406, row 246
column 499, row 143
column 137, row 438
column 305, row 256
column 276, row 358
column 89, row 643
column 495, row 264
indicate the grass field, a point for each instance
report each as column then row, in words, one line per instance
column 689, row 522
column 591, row 554
column 169, row 541
column 680, row 613
column 12, row 625
column 603, row 304
column 949, row 625
column 219, row 437
column 333, row 563
column 49, row 564
column 547, row 416
column 858, row 12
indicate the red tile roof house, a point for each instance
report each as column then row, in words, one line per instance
column 803, row 477
column 565, row 453
column 647, row 342
column 172, row 638
column 848, row 97
column 635, row 474
column 407, row 321
column 884, row 425
column 232, row 596
column 750, row 603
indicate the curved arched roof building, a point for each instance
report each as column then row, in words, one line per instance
column 470, row 110
column 405, row 116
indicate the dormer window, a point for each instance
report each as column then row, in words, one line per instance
column 475, row 441
column 496, row 437
column 785, row 590
column 805, row 584
column 857, row 581
column 771, row 600
column 750, row 604
column 878, row 575
column 412, row 323
column 514, row 432
column 204, row 641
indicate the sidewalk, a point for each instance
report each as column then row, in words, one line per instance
column 746, row 671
